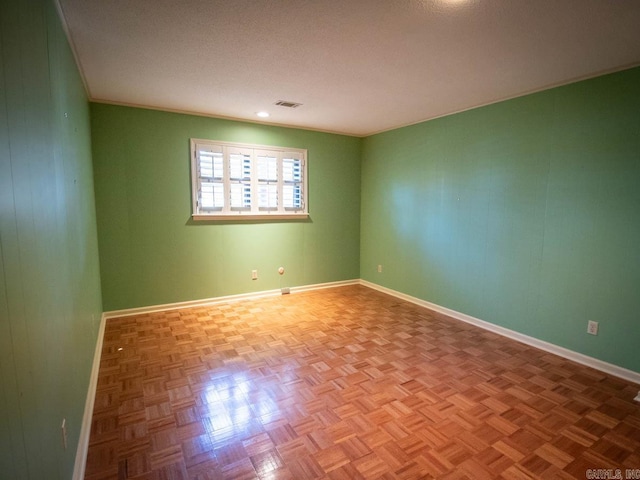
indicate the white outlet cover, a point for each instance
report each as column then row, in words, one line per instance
column 64, row 433
column 592, row 327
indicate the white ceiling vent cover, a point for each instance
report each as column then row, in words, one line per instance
column 285, row 103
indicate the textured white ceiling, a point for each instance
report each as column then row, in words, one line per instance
column 357, row 66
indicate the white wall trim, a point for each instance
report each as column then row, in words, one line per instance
column 83, row 443
column 228, row 298
column 605, row 367
column 85, row 429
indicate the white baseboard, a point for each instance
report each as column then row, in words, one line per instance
column 83, row 444
column 85, row 429
column 228, row 298
column 605, row 367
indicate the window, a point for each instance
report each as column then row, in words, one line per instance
column 233, row 181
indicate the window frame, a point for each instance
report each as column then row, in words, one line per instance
column 254, row 212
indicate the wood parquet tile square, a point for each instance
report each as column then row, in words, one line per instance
column 346, row 383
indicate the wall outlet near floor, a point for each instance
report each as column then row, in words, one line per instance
column 592, row 327
column 254, row 274
column 64, row 433
column 379, row 268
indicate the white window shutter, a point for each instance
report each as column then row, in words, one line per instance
column 246, row 181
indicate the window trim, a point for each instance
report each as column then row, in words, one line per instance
column 254, row 213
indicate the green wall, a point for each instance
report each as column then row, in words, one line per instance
column 524, row 213
column 49, row 277
column 152, row 253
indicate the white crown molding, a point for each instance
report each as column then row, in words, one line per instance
column 600, row 365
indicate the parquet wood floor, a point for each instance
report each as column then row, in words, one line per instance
column 346, row 383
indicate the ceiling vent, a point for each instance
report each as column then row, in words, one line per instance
column 284, row 103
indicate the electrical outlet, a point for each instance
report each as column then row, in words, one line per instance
column 64, row 433
column 592, row 327
column 379, row 268
column 254, row 274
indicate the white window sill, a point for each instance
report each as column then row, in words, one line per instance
column 247, row 216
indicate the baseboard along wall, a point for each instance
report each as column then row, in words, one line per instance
column 605, row 367
column 83, row 444
column 85, row 428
